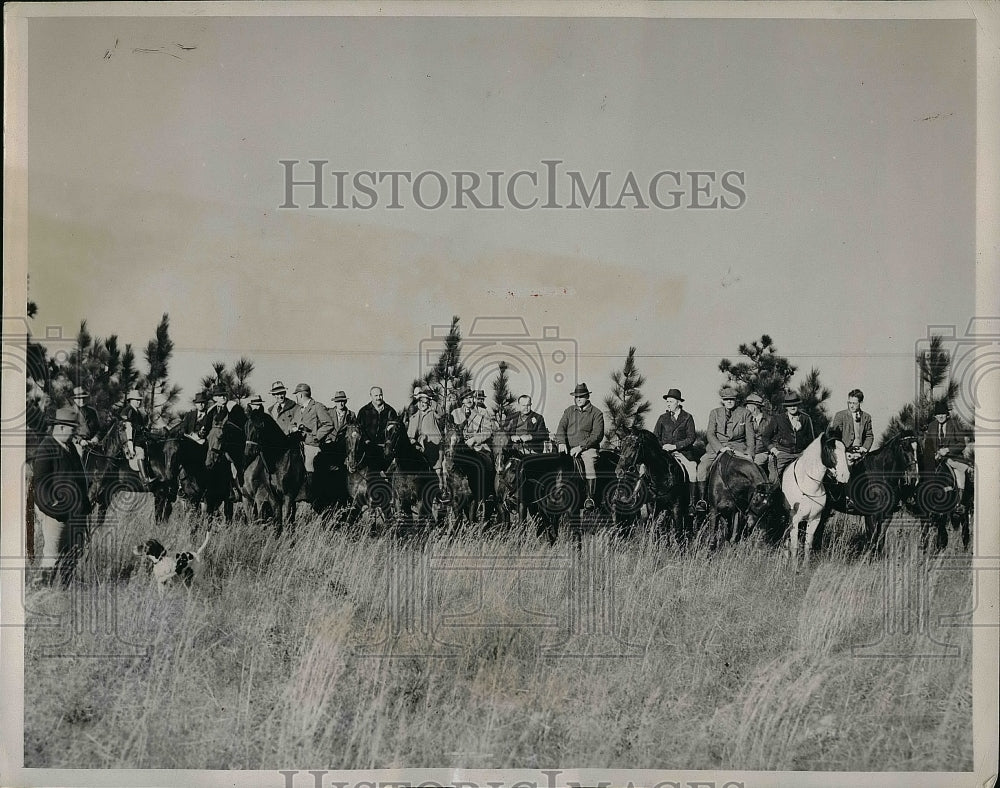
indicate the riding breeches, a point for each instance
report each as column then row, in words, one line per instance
column 690, row 466
column 779, row 462
column 138, row 461
column 310, row 454
column 959, row 469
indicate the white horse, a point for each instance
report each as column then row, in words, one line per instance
column 805, row 496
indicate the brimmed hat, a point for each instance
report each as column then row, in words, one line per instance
column 65, row 416
column 426, row 394
column 674, row 394
column 199, row 397
column 941, row 408
column 791, row 398
column 278, row 388
column 218, row 391
column 339, row 396
column 464, row 394
column 581, row 390
column 133, row 394
column 303, row 388
column 256, row 399
column 80, row 391
column 755, row 399
column 727, row 392
column 481, row 395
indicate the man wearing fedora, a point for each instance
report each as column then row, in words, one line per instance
column 340, row 415
column 756, row 422
column 88, row 423
column 946, row 438
column 424, row 432
column 787, row 434
column 195, row 420
column 135, row 426
column 313, row 420
column 526, row 428
column 256, row 403
column 580, row 432
column 727, row 431
column 466, row 407
column 61, row 500
column 675, row 433
column 282, row 410
column 855, row 427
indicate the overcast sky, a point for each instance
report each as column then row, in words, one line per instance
column 154, row 186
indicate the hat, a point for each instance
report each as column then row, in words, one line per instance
column 200, row 397
column 674, row 394
column 302, row 388
column 340, row 396
column 581, row 390
column 80, row 391
column 133, row 394
column 941, row 407
column 465, row 394
column 481, row 395
column 727, row 392
column 278, row 388
column 417, row 390
column 755, row 399
column 256, row 399
column 791, row 398
column 218, row 391
column 65, row 416
column 426, row 393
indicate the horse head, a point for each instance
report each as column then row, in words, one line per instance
column 394, row 432
column 354, row 447
column 834, row 456
column 630, row 450
column 906, row 455
column 501, row 445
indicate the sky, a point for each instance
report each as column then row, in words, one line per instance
column 154, row 186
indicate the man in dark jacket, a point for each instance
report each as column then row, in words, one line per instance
column 340, row 414
column 580, row 432
column 282, row 410
column 527, row 429
column 60, row 497
column 946, row 438
column 855, row 427
column 675, row 432
column 194, row 420
column 373, row 418
column 788, row 434
column 88, row 423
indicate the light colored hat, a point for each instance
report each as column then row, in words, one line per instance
column 303, row 388
column 755, row 399
column 133, row 395
column 80, row 391
column 727, row 392
column 278, row 387
column 65, row 416
column 340, row 396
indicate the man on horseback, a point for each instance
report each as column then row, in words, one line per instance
column 756, row 423
column 676, row 434
column 424, row 432
column 135, row 428
column 340, row 415
column 373, row 418
column 945, row 439
column 787, row 434
column 88, row 423
column 527, row 429
column 727, row 431
column 194, row 421
column 855, row 427
column 313, row 420
column 580, row 432
column 256, row 403
column 282, row 410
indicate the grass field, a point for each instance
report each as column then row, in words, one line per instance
column 336, row 649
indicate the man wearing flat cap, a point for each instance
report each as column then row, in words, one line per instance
column 580, row 432
column 675, row 433
column 282, row 410
column 313, row 420
column 340, row 415
column 727, row 431
column 61, row 499
column 946, row 438
column 788, row 434
column 756, row 423
column 88, row 423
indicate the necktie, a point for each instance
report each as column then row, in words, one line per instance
column 941, row 431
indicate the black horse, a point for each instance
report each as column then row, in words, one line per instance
column 415, row 489
column 942, row 504
column 664, row 483
column 879, row 482
column 563, row 487
column 225, row 457
column 739, row 497
column 109, row 473
column 365, row 485
column 275, row 470
column 524, row 483
column 202, row 488
column 469, row 474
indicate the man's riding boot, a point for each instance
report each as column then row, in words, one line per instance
column 443, row 495
column 591, row 486
column 694, row 495
column 307, row 484
column 701, row 505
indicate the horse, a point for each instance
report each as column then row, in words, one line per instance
column 878, row 482
column 468, row 473
column 414, row 485
column 739, row 496
column 938, row 500
column 225, row 447
column 523, row 483
column 564, row 493
column 802, row 484
column 365, row 485
column 275, row 471
column 203, row 489
column 662, row 478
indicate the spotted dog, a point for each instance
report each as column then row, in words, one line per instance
column 166, row 569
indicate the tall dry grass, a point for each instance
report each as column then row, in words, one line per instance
column 335, row 649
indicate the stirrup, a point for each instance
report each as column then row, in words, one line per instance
column 700, row 507
column 588, row 503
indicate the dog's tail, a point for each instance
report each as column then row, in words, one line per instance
column 198, row 553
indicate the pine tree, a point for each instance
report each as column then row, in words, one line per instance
column 449, row 375
column 814, row 396
column 235, row 381
column 764, row 372
column 503, row 400
column 159, row 395
column 934, row 372
column 625, row 404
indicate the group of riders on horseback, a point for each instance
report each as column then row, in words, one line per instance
column 459, row 455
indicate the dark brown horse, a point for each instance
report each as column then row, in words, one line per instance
column 739, row 496
column 664, row 483
column 414, row 484
column 275, row 470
